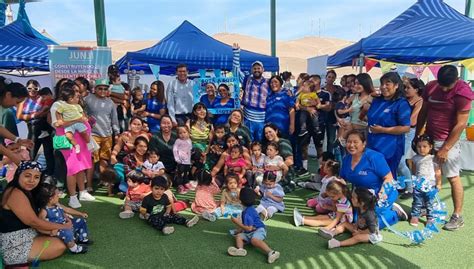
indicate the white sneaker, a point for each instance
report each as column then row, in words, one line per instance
column 168, row 230
column 273, row 256
column 190, row 223
column 43, row 134
column 74, row 202
column 402, row 215
column 297, row 217
column 333, row 243
column 85, row 196
column 127, row 214
column 327, row 234
column 208, row 216
column 233, row 251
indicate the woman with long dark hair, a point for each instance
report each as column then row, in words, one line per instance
column 155, row 105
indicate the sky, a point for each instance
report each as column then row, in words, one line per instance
column 72, row 20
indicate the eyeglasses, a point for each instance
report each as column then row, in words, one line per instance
column 101, row 88
column 32, row 89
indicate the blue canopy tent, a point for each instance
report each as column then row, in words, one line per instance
column 429, row 31
column 21, row 46
column 191, row 46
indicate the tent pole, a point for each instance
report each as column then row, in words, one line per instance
column 469, row 13
column 361, row 62
column 100, row 29
column 273, row 26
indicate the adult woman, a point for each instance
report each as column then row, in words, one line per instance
column 163, row 141
column 31, row 111
column 126, row 141
column 230, row 141
column 136, row 158
column 155, row 106
column 360, row 100
column 280, row 107
column 210, row 98
column 11, row 94
column 389, row 120
column 20, row 243
column 84, row 86
column 76, row 163
column 413, row 90
column 272, row 134
column 235, row 126
column 367, row 168
column 331, row 122
column 224, row 102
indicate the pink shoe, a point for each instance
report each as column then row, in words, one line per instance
column 189, row 187
column 182, row 189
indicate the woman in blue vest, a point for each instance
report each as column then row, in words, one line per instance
column 280, row 108
column 364, row 167
column 389, row 120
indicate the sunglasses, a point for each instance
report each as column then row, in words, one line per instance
column 32, row 89
column 101, row 88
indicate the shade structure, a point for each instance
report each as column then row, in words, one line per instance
column 189, row 45
column 429, row 31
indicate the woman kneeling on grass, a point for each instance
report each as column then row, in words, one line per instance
column 19, row 241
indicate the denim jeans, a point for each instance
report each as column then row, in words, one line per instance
column 403, row 169
column 420, row 200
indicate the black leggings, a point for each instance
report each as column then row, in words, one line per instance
column 159, row 221
column 183, row 173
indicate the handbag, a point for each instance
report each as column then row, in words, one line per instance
column 61, row 142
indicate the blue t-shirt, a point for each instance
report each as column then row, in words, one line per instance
column 388, row 113
column 368, row 173
column 206, row 101
column 153, row 106
column 324, row 98
column 341, row 105
column 278, row 110
column 221, row 119
column 250, row 217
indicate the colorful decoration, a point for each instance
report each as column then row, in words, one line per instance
column 385, row 66
column 468, row 64
column 369, row 63
column 434, row 69
column 418, row 70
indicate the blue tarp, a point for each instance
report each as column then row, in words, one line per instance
column 187, row 44
column 21, row 46
column 428, row 32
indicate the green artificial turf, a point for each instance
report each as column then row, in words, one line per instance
column 133, row 244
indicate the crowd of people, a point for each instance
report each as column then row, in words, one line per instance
column 145, row 146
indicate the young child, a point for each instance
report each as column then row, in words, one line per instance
column 52, row 211
column 217, row 145
column 315, row 181
column 255, row 175
column 250, row 229
column 322, row 204
column 176, row 205
column 425, row 168
column 205, row 191
column 182, row 155
column 272, row 196
column 152, row 167
column 46, row 102
column 137, row 190
column 70, row 110
column 337, row 191
column 138, row 105
column 156, row 208
column 274, row 162
column 230, row 203
column 366, row 228
column 235, row 163
column 307, row 98
column 22, row 152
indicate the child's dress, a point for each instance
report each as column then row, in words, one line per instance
column 204, row 200
column 236, row 166
column 259, row 165
column 79, row 230
column 232, row 204
column 320, row 203
column 268, row 203
column 343, row 206
column 275, row 161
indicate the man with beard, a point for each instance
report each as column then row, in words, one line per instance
column 179, row 95
column 254, row 99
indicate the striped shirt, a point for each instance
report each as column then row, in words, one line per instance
column 179, row 97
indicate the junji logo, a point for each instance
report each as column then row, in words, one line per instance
column 362, row 173
column 81, row 55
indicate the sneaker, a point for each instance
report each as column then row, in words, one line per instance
column 414, row 221
column 85, row 196
column 301, row 184
column 145, row 217
column 127, row 214
column 233, row 251
column 43, row 134
column 402, row 215
column 190, row 223
column 327, row 234
column 406, row 195
column 79, row 250
column 182, row 189
column 85, row 242
column 74, row 202
column 264, row 215
column 208, row 216
column 303, row 133
column 168, row 230
column 90, row 190
column 455, row 222
column 302, row 172
column 77, row 149
column 297, row 217
column 273, row 256
column 333, row 243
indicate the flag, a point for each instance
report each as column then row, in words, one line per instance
column 369, row 63
column 434, row 69
column 468, row 64
column 385, row 66
column 418, row 70
column 401, row 69
column 155, row 69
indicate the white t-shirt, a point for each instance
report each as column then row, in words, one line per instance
column 425, row 167
column 155, row 167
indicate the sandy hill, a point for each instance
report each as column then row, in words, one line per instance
column 292, row 53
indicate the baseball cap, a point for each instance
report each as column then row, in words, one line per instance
column 102, row 81
column 257, row 62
